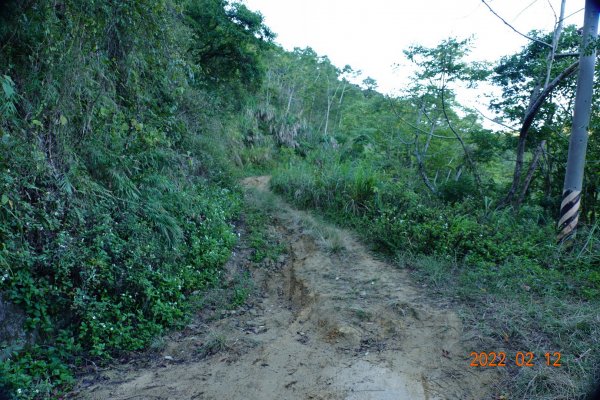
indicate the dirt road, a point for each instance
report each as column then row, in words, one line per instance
column 330, row 321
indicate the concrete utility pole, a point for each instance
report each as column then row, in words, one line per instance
column 569, row 208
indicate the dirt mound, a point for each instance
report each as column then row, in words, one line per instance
column 332, row 322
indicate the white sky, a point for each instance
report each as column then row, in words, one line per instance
column 370, row 35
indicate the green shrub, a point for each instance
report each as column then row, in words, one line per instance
column 454, row 191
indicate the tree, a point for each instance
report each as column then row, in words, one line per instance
column 227, row 43
column 538, row 59
column 440, row 67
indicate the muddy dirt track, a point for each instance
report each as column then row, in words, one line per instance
column 330, row 321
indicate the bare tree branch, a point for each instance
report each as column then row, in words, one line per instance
column 462, row 143
column 413, row 126
column 420, row 160
column 558, row 27
column 556, row 21
column 565, row 55
column 535, row 106
column 532, row 168
column 512, row 128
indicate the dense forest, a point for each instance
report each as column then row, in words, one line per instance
column 125, row 127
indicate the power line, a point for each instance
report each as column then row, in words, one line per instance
column 573, row 13
column 523, row 10
column 513, row 28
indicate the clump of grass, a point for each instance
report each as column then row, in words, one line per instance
column 261, row 200
column 243, row 286
column 404, row 309
column 432, row 270
column 258, row 216
column 214, row 344
column 158, row 343
column 362, row 315
column 328, row 238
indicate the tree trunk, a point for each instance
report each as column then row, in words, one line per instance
column 327, row 115
column 458, row 173
column 340, row 106
column 532, row 168
column 549, row 166
column 524, row 131
column 290, row 98
column 418, row 156
column 462, row 143
column 555, row 39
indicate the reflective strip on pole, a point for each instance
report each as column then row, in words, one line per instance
column 569, row 211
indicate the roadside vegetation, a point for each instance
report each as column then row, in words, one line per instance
column 125, row 125
column 118, row 197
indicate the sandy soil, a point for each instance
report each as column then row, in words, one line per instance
column 330, row 321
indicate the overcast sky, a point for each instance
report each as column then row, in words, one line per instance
column 371, row 34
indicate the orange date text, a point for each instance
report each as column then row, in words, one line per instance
column 520, row 359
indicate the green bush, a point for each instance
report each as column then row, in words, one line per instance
column 454, row 191
column 107, row 274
